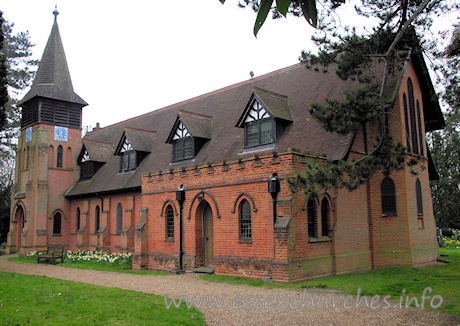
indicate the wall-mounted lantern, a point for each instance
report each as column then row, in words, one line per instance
column 274, row 188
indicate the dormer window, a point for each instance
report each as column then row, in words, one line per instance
column 189, row 133
column 183, row 144
column 258, row 126
column 86, row 166
column 264, row 119
column 127, row 157
column 85, row 157
column 92, row 156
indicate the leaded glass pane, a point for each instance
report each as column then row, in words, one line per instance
column 124, row 162
column 266, row 133
column 388, row 193
column 188, row 148
column 57, row 223
column 245, row 220
column 132, row 160
column 252, row 134
column 178, row 150
column 169, row 222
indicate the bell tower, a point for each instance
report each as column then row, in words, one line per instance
column 48, row 145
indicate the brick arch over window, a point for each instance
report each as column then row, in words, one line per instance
column 168, row 202
column 388, row 196
column 247, row 196
column 203, row 194
column 418, row 195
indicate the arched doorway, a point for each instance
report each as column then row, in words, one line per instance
column 207, row 239
column 20, row 223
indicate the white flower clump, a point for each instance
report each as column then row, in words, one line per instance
column 98, row 256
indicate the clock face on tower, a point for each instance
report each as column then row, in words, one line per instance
column 61, row 133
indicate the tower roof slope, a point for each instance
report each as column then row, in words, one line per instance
column 53, row 77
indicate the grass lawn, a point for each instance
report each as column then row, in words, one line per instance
column 444, row 279
column 105, row 267
column 39, row 300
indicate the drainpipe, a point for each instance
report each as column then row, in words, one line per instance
column 180, row 197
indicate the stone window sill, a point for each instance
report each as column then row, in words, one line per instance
column 245, row 240
column 57, row 235
column 322, row 239
column 169, row 240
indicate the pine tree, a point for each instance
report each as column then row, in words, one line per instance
column 16, row 73
column 394, row 27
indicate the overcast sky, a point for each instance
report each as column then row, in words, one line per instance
column 127, row 58
column 131, row 57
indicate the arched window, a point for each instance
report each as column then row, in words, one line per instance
column 169, row 222
column 418, row 195
column 325, row 217
column 78, row 218
column 406, row 122
column 57, row 223
column 119, row 218
column 311, row 213
column 388, row 193
column 97, row 221
column 413, row 123
column 245, row 222
column 419, row 120
column 59, row 157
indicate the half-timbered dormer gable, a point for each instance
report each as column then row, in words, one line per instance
column 265, row 117
column 133, row 146
column 189, row 133
column 92, row 156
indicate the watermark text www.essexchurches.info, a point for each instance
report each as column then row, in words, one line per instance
column 304, row 299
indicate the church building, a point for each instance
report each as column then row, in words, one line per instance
column 202, row 184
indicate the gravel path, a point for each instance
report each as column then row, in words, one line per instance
column 191, row 285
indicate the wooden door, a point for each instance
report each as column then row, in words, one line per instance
column 207, row 236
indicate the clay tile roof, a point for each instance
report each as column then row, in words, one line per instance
column 198, row 125
column 53, row 78
column 213, row 116
column 141, row 140
column 277, row 104
column 97, row 151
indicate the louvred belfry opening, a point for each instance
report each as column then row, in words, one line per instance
column 51, row 99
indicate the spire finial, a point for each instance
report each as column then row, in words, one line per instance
column 55, row 13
